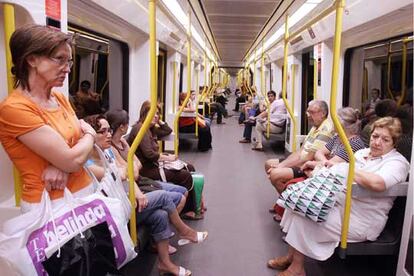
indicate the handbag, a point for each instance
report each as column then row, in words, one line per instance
column 176, row 165
column 147, row 185
column 314, row 197
column 31, row 238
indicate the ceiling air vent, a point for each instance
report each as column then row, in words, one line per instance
column 296, row 40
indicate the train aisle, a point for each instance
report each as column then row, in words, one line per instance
column 242, row 233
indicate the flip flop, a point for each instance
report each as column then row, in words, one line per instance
column 195, row 217
column 201, row 236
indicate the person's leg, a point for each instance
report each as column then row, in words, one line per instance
column 279, row 177
column 259, row 129
column 183, row 178
column 282, row 262
column 204, row 139
column 297, row 266
column 248, row 131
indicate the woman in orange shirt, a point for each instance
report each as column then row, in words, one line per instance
column 40, row 131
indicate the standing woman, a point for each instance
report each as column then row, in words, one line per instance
column 150, row 158
column 39, row 129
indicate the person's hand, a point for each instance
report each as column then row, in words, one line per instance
column 123, row 173
column 142, row 201
column 87, row 128
column 54, row 178
column 309, row 165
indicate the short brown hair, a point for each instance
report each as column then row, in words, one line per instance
column 33, row 40
column 392, row 124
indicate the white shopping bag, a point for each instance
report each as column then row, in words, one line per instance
column 30, row 238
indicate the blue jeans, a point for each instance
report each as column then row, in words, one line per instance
column 175, row 192
column 248, row 127
column 156, row 214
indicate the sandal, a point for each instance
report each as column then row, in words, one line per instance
column 258, row 149
column 192, row 217
column 181, row 272
column 279, row 263
column 287, row 272
column 201, row 236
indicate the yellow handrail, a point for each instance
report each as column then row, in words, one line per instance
column 263, row 92
column 284, row 83
column 404, row 71
column 184, row 104
column 9, row 28
column 333, row 111
column 196, row 104
column 148, row 119
column 315, row 79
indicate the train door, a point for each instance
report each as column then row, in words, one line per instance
column 307, row 88
column 97, row 81
column 180, row 87
column 161, row 80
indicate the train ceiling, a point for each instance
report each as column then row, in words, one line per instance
column 235, row 24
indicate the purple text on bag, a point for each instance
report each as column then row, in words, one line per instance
column 87, row 216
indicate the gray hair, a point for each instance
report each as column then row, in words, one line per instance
column 350, row 119
column 322, row 105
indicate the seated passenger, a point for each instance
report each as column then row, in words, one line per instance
column 383, row 108
column 277, row 120
column 150, row 158
column 373, row 169
column 87, row 100
column 154, row 209
column 39, row 129
column 118, row 121
column 319, row 135
column 252, row 121
column 334, row 151
column 405, row 143
column 187, row 125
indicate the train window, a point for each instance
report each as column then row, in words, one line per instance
column 307, row 88
column 409, row 257
column 376, row 69
column 93, row 87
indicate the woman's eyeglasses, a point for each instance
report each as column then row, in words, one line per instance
column 105, row 131
column 62, row 61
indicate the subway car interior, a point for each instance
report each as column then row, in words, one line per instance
column 289, row 127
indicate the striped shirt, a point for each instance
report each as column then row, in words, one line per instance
column 316, row 139
column 336, row 147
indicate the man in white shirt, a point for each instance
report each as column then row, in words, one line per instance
column 277, row 120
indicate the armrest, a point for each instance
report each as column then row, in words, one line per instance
column 399, row 189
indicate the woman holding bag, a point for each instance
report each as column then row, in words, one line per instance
column 40, row 131
column 156, row 209
column 368, row 215
column 150, row 158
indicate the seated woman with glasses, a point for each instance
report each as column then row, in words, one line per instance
column 155, row 209
column 368, row 215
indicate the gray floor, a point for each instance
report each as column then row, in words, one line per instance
column 242, row 234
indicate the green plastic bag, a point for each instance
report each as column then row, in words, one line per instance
column 198, row 182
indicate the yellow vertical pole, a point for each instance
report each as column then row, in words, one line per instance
column 315, row 79
column 177, row 116
column 148, row 119
column 284, row 83
column 9, row 28
column 263, row 89
column 389, row 59
column 205, row 83
column 333, row 111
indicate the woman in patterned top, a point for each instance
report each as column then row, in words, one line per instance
column 334, row 150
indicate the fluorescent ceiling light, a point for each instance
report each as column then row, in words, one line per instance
column 304, row 10
column 180, row 15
